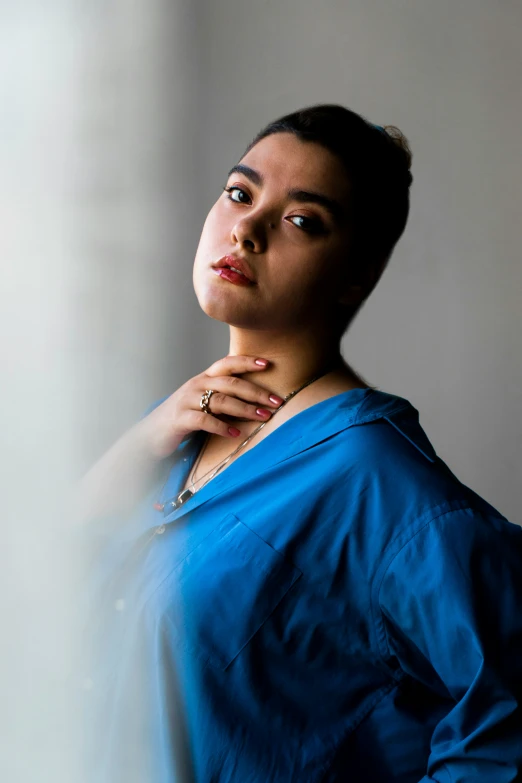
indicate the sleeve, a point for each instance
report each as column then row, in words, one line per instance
column 450, row 609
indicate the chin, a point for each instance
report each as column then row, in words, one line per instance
column 222, row 306
column 218, row 308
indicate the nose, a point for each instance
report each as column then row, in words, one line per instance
column 250, row 232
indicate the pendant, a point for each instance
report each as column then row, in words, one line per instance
column 182, row 498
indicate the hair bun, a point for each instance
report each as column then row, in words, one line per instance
column 400, row 141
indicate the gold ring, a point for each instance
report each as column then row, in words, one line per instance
column 205, row 399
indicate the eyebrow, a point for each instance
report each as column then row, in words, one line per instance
column 334, row 207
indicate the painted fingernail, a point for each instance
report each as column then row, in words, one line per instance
column 262, row 362
column 233, row 431
column 263, row 412
column 275, row 399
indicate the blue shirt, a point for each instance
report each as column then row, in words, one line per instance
column 333, row 606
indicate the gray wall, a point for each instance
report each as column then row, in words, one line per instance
column 170, row 97
column 444, row 326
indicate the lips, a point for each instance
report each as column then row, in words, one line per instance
column 237, row 263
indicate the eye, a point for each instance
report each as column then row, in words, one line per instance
column 239, row 190
column 311, row 226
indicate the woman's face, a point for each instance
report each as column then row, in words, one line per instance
column 286, row 213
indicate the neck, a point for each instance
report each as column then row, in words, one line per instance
column 293, row 359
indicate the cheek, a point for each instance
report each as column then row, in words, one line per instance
column 215, row 218
column 297, row 284
column 210, row 234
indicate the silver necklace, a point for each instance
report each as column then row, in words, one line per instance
column 186, row 494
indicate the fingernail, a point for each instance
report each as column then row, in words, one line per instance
column 275, row 399
column 263, row 412
column 233, row 431
column 262, row 362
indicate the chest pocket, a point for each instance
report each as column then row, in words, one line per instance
column 222, row 592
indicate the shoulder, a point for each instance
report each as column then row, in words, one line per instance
column 392, row 462
column 393, row 472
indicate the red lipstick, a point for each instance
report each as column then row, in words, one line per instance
column 243, row 272
column 233, row 277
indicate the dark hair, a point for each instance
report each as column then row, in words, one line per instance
column 377, row 161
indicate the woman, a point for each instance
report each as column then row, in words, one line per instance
column 310, row 593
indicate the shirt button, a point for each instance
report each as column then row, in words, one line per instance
column 184, row 459
column 160, row 530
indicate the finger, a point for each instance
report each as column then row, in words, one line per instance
column 199, row 420
column 246, row 391
column 223, row 404
column 230, row 365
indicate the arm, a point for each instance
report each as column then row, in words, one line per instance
column 116, row 482
column 450, row 615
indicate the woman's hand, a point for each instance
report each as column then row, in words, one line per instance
column 168, row 424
